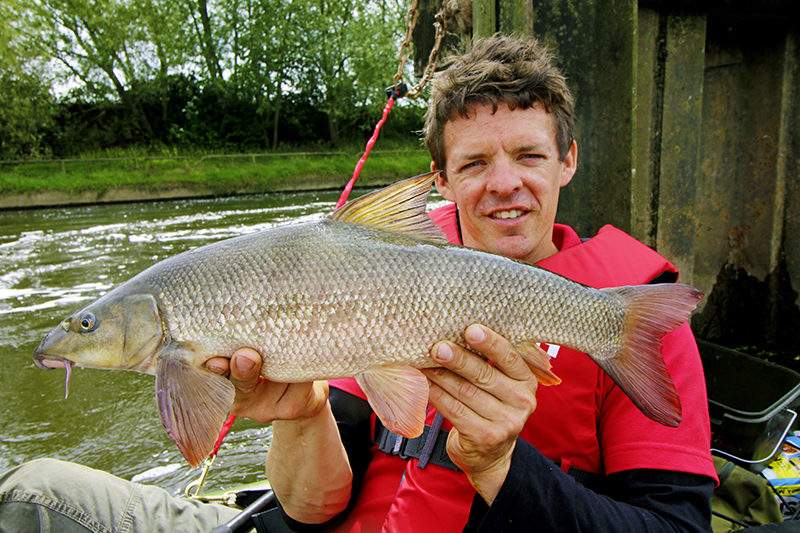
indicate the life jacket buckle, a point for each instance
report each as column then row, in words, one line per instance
column 392, row 444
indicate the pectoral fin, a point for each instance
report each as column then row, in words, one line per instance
column 399, row 396
column 539, row 363
column 193, row 403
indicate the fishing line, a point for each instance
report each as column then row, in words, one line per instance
column 400, row 89
column 222, row 432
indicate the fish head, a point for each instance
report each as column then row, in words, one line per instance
column 119, row 331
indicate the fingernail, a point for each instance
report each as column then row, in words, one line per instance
column 215, row 369
column 475, row 334
column 444, row 353
column 244, row 364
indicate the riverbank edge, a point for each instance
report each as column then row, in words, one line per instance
column 177, row 191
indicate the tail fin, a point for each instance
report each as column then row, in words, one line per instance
column 638, row 366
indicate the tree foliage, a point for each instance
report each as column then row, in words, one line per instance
column 26, row 106
column 216, row 74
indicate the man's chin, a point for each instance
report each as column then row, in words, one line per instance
column 522, row 248
column 514, row 246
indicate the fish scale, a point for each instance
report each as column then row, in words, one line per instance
column 363, row 293
column 360, row 289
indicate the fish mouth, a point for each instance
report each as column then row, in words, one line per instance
column 49, row 362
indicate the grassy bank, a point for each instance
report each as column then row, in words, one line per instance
column 118, row 178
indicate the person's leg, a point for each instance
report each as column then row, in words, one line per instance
column 54, row 496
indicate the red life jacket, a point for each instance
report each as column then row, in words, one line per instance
column 585, row 422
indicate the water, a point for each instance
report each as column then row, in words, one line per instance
column 52, row 261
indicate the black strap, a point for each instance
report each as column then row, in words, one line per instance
column 271, row 522
column 590, row 480
column 394, row 444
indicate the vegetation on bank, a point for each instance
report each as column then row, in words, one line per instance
column 85, row 76
column 100, row 96
column 218, row 174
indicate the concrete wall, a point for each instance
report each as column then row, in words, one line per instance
column 688, row 132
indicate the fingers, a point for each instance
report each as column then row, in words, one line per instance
column 468, row 389
column 498, row 350
column 242, row 368
column 245, row 369
column 488, row 393
column 266, row 401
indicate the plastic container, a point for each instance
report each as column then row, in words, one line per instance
column 747, row 401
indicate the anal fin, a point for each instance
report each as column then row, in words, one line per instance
column 399, row 396
column 193, row 403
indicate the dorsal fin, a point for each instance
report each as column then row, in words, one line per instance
column 399, row 207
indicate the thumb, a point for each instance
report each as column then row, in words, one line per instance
column 245, row 368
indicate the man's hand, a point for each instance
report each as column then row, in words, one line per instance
column 487, row 405
column 266, row 401
column 306, row 462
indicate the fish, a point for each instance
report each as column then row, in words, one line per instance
column 364, row 292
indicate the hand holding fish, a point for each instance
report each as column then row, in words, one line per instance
column 265, row 401
column 488, row 405
column 302, row 420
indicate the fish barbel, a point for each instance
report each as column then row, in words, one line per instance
column 365, row 292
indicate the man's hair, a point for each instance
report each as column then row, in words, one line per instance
column 499, row 69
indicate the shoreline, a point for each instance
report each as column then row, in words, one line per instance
column 98, row 181
column 125, row 193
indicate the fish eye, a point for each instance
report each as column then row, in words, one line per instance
column 87, row 322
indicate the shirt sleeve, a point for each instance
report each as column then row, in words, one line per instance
column 641, row 500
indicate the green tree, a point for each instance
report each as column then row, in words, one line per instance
column 96, row 42
column 211, row 60
column 350, row 56
column 26, row 106
column 160, row 22
column 264, row 48
column 207, row 39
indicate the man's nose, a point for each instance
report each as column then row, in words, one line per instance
column 503, row 179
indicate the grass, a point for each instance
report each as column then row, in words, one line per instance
column 221, row 174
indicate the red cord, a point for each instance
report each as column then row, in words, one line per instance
column 222, row 432
column 370, row 144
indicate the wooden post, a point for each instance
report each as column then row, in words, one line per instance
column 484, row 18
column 516, row 17
column 680, row 140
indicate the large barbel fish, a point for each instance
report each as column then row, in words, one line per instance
column 365, row 292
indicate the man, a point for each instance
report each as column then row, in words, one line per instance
column 575, row 457
column 499, row 127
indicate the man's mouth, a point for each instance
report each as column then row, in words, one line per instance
column 514, row 213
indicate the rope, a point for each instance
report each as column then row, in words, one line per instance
column 222, row 432
column 393, row 95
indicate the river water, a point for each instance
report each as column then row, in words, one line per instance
column 54, row 261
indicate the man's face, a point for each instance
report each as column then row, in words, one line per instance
column 503, row 171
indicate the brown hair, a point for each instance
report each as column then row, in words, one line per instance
column 499, row 69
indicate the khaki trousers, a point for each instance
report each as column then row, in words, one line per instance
column 54, row 496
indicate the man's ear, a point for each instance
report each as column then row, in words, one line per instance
column 442, row 185
column 569, row 165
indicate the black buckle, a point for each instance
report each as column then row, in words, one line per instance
column 394, row 444
column 390, row 443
